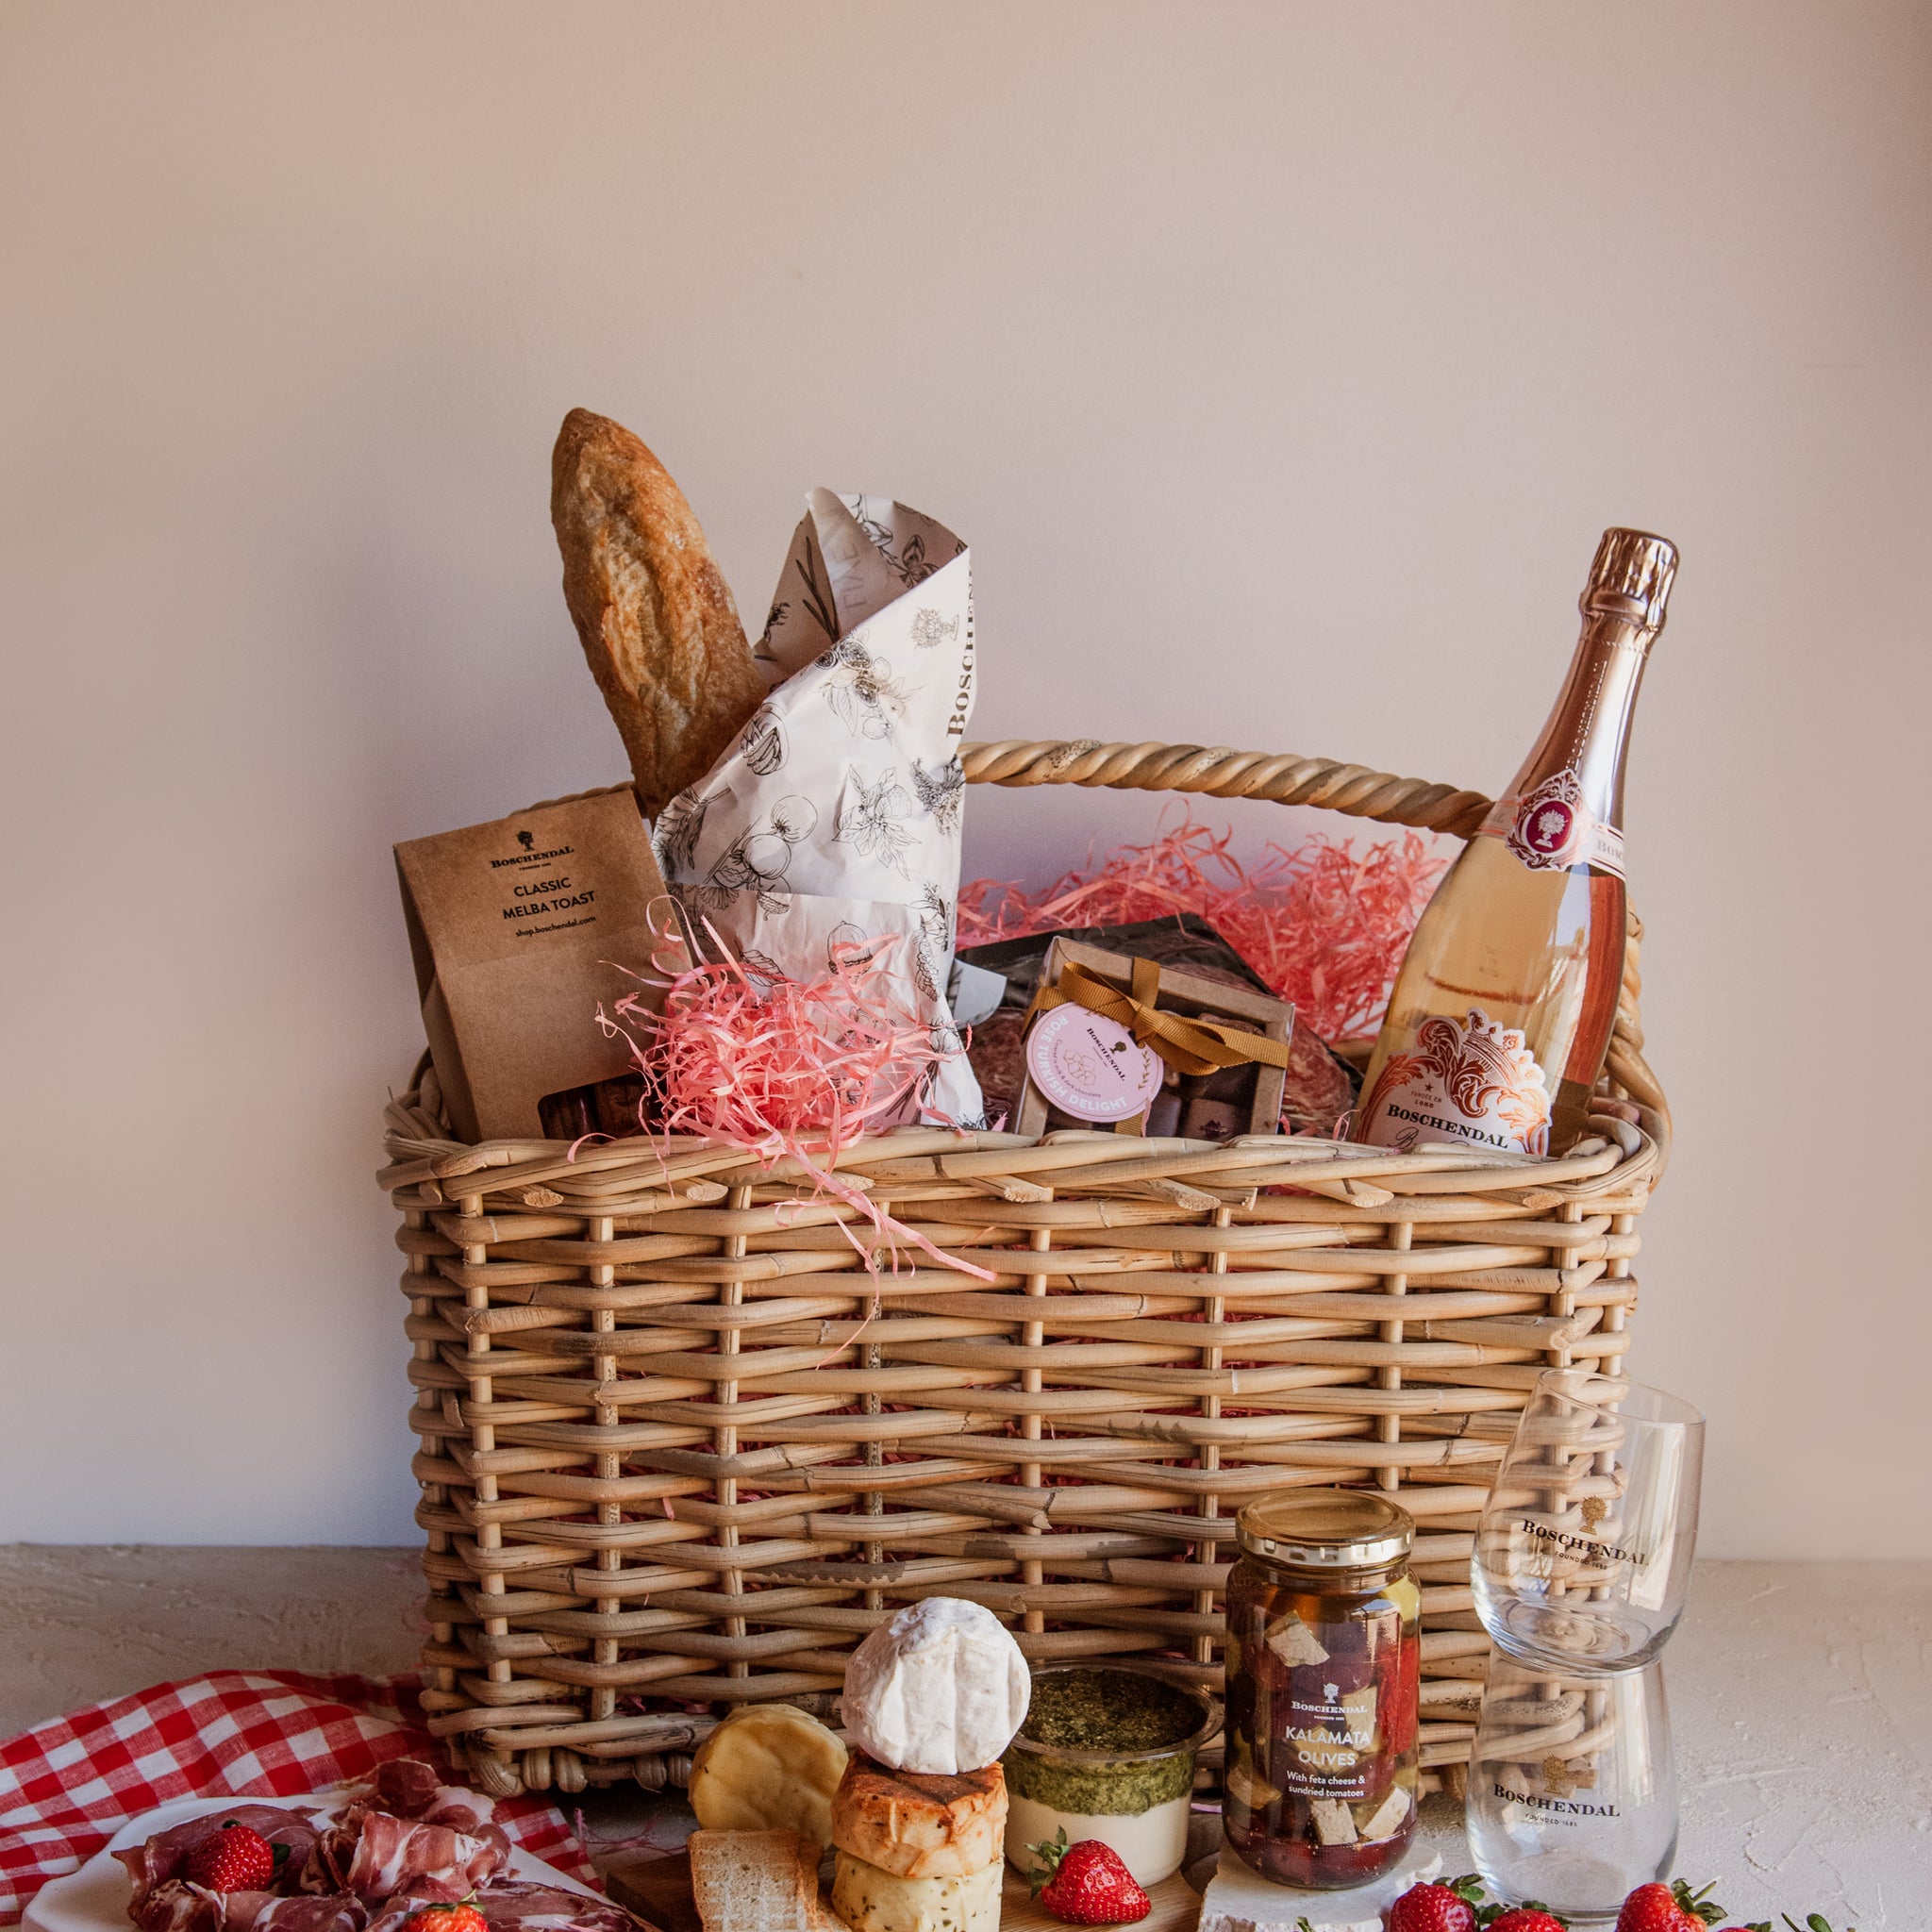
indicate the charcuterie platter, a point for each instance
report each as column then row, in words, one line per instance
column 347, row 1860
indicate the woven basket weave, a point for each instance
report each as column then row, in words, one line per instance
column 665, row 1470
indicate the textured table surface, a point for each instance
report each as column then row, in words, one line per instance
column 1800, row 1696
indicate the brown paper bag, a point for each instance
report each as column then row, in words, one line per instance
column 519, row 930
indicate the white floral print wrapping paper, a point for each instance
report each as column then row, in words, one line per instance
column 836, row 815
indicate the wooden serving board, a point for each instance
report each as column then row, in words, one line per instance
column 656, row 1889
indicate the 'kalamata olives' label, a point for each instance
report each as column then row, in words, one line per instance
column 1328, row 1739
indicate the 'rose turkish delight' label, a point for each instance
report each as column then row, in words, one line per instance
column 1090, row 1066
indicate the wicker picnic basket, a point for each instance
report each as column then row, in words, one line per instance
column 666, row 1471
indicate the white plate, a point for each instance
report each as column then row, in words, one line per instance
column 95, row 1899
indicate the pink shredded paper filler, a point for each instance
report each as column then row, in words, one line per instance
column 785, row 1067
column 1321, row 926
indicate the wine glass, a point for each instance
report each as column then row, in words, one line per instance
column 1583, row 1552
column 1573, row 1793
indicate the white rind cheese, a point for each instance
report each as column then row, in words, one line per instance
column 870, row 1900
column 941, row 1689
column 1238, row 1900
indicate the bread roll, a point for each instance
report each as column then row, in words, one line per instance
column 918, row 1825
column 653, row 610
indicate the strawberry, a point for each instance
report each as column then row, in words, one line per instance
column 1814, row 1921
column 1084, row 1884
column 232, row 1859
column 1436, row 1907
column 1650, row 1908
column 1672, row 1908
column 1530, row 1918
column 461, row 1918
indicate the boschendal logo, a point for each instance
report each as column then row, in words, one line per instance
column 529, row 855
column 1562, row 1808
column 1590, row 1548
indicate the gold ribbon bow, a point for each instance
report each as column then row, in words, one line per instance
column 1189, row 1046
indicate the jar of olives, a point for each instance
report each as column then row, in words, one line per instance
column 1324, row 1668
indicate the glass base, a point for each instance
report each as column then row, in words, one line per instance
column 1587, row 1890
column 1586, row 1638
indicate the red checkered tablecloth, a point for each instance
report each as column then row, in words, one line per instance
column 69, row 1785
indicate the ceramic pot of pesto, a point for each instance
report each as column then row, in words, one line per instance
column 1107, row 1752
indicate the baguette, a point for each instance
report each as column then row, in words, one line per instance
column 653, row 610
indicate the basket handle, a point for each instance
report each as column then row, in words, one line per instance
column 1220, row 772
column 1217, row 772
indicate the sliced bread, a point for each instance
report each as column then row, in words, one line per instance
column 756, row 1881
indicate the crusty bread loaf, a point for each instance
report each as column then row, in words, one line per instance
column 920, row 1824
column 652, row 610
column 756, row 1881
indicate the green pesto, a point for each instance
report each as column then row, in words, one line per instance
column 1104, row 1710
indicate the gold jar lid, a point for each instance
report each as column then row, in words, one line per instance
column 1326, row 1529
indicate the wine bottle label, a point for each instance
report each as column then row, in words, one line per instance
column 1549, row 828
column 1467, row 1082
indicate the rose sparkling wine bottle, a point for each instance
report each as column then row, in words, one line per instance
column 1501, row 1016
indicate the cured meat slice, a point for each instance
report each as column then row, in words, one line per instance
column 519, row 1907
column 405, row 1786
column 461, row 1809
column 165, row 1855
column 328, row 1865
column 413, row 1788
column 375, row 1853
column 269, row 1911
column 175, row 1906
